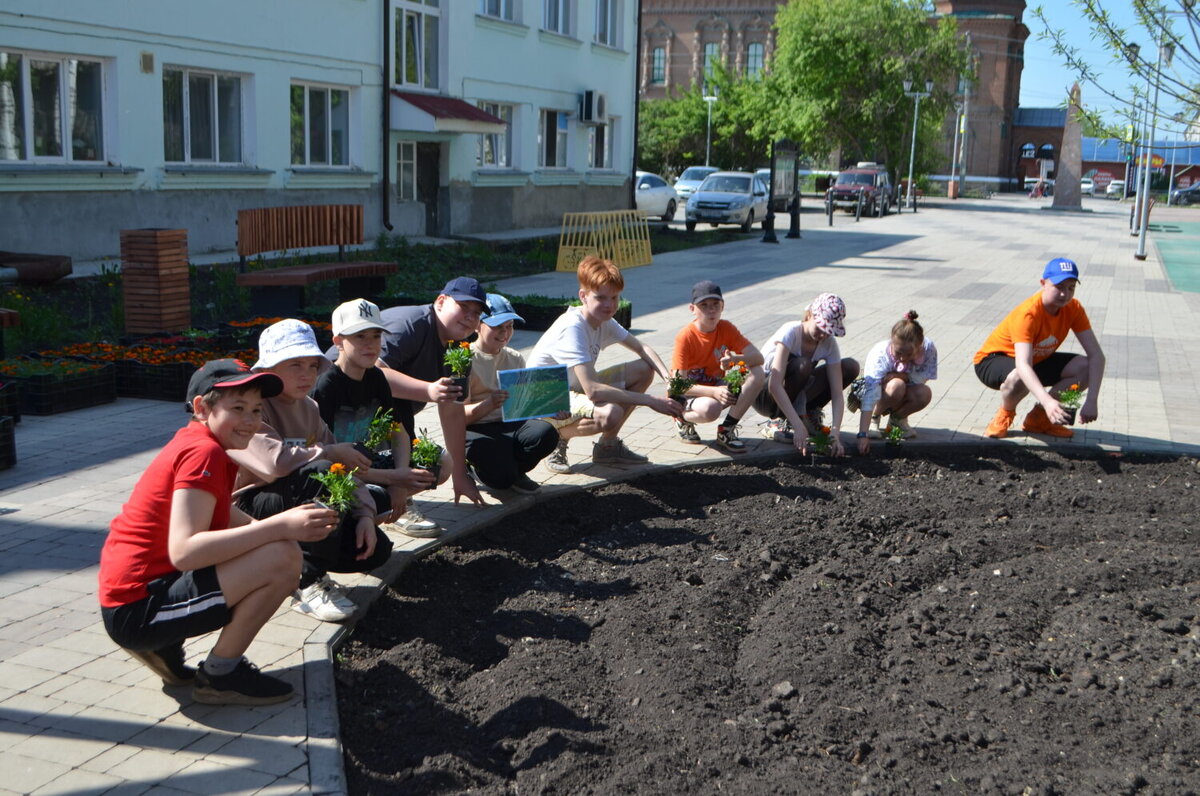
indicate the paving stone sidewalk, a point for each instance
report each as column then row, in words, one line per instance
column 78, row 716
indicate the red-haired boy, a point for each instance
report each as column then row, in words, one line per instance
column 601, row 401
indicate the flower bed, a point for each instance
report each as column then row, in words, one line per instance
column 149, row 370
column 50, row 386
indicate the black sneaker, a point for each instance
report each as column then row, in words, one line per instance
column 245, row 685
column 525, row 485
column 167, row 663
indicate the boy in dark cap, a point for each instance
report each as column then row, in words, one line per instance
column 1021, row 356
column 704, row 351
column 181, row 561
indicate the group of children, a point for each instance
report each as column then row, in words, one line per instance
column 226, row 523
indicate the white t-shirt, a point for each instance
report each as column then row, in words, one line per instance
column 790, row 336
column 572, row 341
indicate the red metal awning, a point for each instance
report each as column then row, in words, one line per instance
column 437, row 113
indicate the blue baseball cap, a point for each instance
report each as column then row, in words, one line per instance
column 500, row 310
column 1060, row 269
column 464, row 288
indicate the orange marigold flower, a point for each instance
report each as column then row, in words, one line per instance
column 337, row 468
column 824, row 429
column 1074, row 386
column 464, row 344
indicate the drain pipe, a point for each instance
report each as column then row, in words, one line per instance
column 637, row 77
column 385, row 185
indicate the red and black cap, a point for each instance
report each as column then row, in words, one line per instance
column 219, row 373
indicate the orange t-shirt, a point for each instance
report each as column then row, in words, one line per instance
column 1030, row 323
column 698, row 354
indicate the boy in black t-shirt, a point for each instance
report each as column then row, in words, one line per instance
column 351, row 393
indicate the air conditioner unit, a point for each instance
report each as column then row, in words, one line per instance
column 593, row 108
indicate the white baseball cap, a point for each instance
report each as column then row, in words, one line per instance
column 355, row 316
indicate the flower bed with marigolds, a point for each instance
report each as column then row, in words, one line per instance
column 150, row 370
column 48, row 386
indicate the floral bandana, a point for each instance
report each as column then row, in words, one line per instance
column 829, row 312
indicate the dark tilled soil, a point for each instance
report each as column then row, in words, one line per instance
column 1000, row 622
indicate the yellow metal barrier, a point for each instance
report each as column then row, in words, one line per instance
column 622, row 236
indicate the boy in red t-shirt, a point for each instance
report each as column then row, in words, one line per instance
column 704, row 350
column 1021, row 356
column 180, row 560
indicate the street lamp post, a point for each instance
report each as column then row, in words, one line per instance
column 912, row 154
column 709, row 100
column 1168, row 51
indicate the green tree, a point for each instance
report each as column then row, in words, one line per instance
column 672, row 132
column 1172, row 24
column 836, row 80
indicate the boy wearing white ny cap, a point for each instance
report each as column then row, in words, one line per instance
column 353, row 391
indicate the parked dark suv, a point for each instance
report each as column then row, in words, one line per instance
column 1186, row 196
column 866, row 182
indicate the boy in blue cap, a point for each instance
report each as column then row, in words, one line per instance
column 501, row 452
column 1021, row 356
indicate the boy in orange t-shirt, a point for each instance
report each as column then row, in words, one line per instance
column 704, row 350
column 1021, row 356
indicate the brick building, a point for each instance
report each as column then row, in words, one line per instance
column 681, row 39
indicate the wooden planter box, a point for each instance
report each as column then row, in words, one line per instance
column 10, row 401
column 167, row 382
column 538, row 317
column 49, row 395
column 8, row 443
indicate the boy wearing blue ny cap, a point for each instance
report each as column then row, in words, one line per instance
column 501, row 453
column 1021, row 356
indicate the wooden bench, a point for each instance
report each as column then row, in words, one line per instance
column 281, row 291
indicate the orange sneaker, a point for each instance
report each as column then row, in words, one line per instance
column 1036, row 422
column 998, row 428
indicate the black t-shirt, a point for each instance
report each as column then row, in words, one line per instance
column 347, row 406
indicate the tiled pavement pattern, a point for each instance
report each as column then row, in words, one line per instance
column 78, row 716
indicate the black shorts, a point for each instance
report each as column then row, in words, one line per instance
column 993, row 369
column 180, row 605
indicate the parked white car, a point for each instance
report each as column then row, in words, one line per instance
column 1115, row 188
column 690, row 180
column 728, row 197
column 1087, row 187
column 654, row 197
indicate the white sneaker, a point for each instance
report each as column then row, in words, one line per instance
column 324, row 600
column 414, row 523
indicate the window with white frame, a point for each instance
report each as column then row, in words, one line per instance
column 494, row 150
column 416, row 43
column 712, row 56
column 552, row 139
column 202, row 116
column 600, row 144
column 406, row 171
column 754, row 60
column 501, row 9
column 608, row 22
column 51, row 108
column 320, row 125
column 558, row 16
column 658, row 65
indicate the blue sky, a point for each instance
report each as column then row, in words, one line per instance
column 1045, row 79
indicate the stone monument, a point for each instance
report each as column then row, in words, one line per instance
column 1070, row 159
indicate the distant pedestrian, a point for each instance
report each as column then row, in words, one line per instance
column 1021, row 356
column 894, row 381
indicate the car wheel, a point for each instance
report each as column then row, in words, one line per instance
column 690, row 225
column 670, row 214
column 749, row 222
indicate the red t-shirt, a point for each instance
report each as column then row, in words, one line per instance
column 135, row 551
column 698, row 354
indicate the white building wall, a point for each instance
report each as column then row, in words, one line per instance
column 269, row 45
